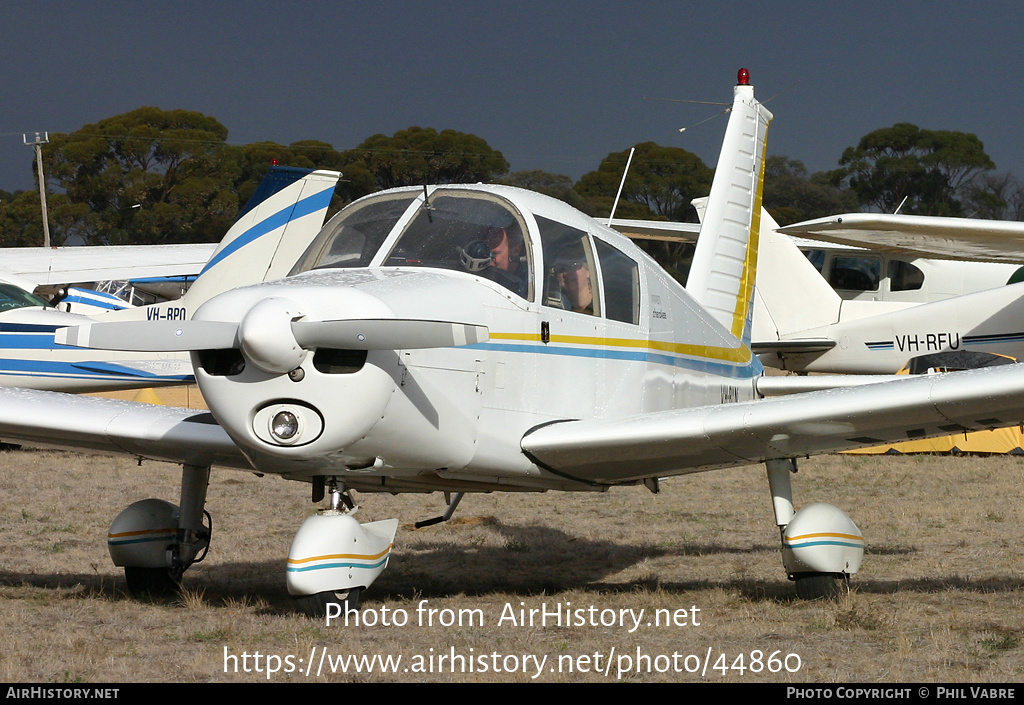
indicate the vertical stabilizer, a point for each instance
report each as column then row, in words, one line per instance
column 275, row 228
column 786, row 283
column 786, row 280
column 725, row 260
column 268, row 238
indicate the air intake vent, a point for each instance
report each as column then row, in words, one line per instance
column 332, row 361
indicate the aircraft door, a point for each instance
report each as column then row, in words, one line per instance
column 571, row 367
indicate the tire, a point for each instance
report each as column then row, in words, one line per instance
column 315, row 606
column 151, row 582
column 821, row 586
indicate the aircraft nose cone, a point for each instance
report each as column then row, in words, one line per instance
column 266, row 335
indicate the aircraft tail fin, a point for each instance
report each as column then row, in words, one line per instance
column 725, row 260
column 786, row 281
column 275, row 227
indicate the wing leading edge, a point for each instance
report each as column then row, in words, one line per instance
column 691, row 440
column 56, row 419
column 920, row 236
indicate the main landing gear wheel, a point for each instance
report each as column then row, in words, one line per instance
column 316, row 606
column 821, row 586
column 152, row 582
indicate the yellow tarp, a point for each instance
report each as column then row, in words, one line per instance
column 1001, row 440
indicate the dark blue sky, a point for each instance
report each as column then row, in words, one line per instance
column 553, row 84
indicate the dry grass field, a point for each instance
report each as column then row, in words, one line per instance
column 940, row 597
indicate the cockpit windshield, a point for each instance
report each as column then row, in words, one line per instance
column 467, row 231
column 353, row 236
column 12, row 297
column 470, row 232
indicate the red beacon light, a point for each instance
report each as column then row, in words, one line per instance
column 743, row 77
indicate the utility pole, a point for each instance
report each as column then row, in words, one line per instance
column 38, row 144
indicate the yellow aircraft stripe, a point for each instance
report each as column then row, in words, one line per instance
column 746, row 292
column 336, row 556
column 852, row 537
column 740, row 354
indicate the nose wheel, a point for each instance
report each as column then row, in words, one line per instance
column 334, row 602
column 333, row 557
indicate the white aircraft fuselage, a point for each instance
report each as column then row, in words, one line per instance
column 803, row 324
column 451, row 418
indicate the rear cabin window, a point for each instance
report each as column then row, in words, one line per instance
column 569, row 268
column 904, row 276
column 621, row 278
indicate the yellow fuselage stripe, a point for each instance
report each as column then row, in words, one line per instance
column 713, row 352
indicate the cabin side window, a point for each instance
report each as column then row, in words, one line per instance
column 621, row 278
column 569, row 268
column 904, row 276
column 855, row 273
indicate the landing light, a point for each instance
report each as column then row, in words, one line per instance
column 284, row 425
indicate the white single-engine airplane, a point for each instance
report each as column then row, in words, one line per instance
column 485, row 338
column 801, row 323
column 275, row 227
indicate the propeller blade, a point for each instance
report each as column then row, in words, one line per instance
column 358, row 334
column 151, row 336
column 386, row 334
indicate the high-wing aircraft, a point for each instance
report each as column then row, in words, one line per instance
column 875, row 337
column 276, row 225
column 484, row 338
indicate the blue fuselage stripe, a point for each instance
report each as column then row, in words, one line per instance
column 741, row 371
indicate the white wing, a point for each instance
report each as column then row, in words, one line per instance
column 70, row 421
column 597, row 451
column 62, row 265
column 691, row 440
column 920, row 236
